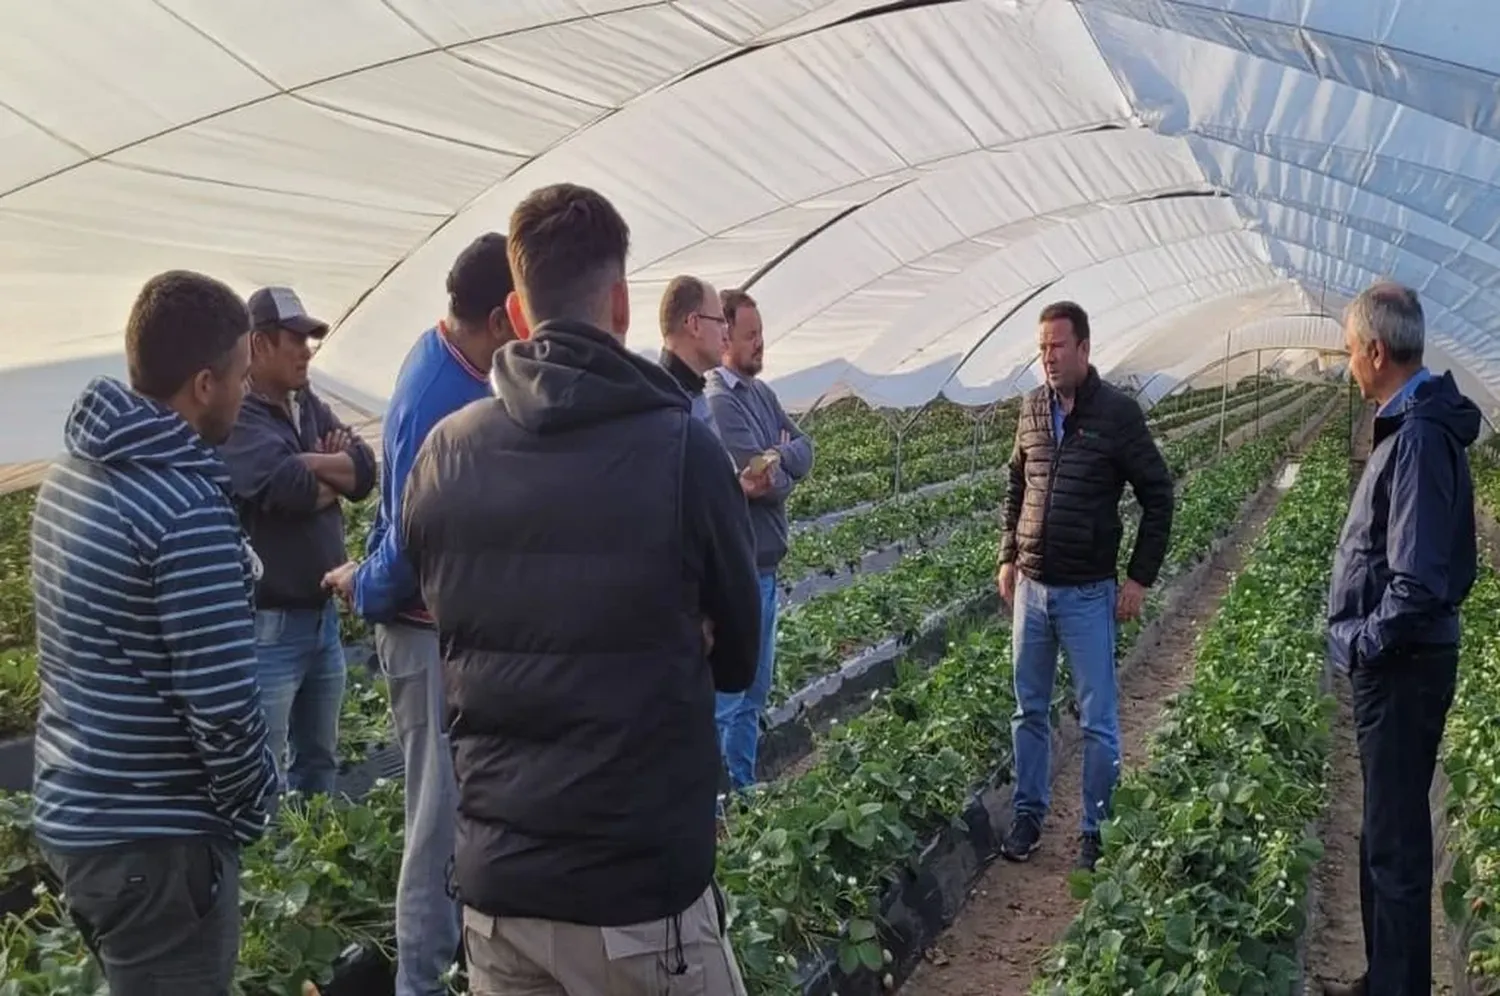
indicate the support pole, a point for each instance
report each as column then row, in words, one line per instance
column 1257, row 394
column 1224, row 395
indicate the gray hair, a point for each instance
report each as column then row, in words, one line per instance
column 1390, row 313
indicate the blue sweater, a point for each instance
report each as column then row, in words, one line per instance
column 749, row 419
column 435, row 381
column 150, row 723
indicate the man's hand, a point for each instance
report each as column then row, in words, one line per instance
column 755, row 485
column 1006, row 582
column 708, row 636
column 335, row 441
column 340, row 581
column 1132, row 597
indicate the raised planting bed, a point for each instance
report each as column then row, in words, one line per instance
column 790, row 727
column 859, row 441
column 876, row 538
column 817, row 496
column 808, row 860
column 1208, row 857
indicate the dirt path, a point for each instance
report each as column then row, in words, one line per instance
column 1336, row 948
column 1018, row 912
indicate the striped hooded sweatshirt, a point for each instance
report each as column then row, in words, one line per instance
column 150, row 723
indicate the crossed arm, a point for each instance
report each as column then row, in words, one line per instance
column 279, row 481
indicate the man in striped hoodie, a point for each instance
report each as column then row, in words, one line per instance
column 152, row 767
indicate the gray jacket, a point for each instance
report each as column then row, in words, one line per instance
column 750, row 421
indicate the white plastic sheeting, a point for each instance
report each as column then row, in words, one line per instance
column 902, row 185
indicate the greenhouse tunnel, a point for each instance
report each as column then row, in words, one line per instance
column 901, row 185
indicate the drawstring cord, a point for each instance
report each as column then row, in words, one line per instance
column 675, row 927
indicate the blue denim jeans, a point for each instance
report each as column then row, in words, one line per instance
column 738, row 713
column 1079, row 619
column 302, row 675
column 427, row 915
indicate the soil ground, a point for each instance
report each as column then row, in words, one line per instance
column 1018, row 912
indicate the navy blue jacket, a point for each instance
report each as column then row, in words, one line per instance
column 1407, row 556
column 277, row 496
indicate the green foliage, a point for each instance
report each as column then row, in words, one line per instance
column 20, row 692
column 17, row 624
column 1207, row 856
column 1471, row 755
column 365, row 717
column 912, row 518
column 806, row 859
column 323, row 878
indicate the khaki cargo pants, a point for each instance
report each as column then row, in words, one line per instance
column 516, row 956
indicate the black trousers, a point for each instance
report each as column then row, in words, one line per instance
column 1400, row 709
column 162, row 916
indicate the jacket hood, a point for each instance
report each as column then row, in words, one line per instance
column 1438, row 400
column 111, row 424
column 570, row 374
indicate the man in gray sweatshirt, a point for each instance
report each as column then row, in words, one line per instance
column 753, row 427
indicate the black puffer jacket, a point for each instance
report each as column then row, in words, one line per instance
column 570, row 536
column 1061, row 517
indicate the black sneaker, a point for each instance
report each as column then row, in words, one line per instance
column 1025, row 834
column 1089, row 849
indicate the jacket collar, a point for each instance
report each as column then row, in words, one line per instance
column 1083, row 395
column 691, row 381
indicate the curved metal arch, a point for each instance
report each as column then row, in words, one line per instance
column 806, row 240
column 1022, row 245
column 1465, row 349
column 1240, row 40
column 1196, row 303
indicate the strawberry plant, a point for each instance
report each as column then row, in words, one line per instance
column 1471, row 898
column 20, row 692
column 906, row 517
column 17, row 628
column 323, row 878
column 1471, row 745
column 365, row 717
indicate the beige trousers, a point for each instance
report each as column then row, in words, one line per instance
column 516, row 956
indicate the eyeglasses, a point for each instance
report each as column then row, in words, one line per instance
column 713, row 318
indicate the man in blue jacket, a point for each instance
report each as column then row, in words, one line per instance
column 447, row 369
column 152, row 767
column 292, row 461
column 1405, row 563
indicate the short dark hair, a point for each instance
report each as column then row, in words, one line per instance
column 683, row 298
column 1072, row 313
column 480, row 280
column 181, row 323
column 733, row 300
column 567, row 245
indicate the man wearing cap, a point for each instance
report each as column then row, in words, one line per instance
column 291, row 461
column 446, row 369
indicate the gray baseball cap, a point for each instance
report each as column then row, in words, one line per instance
column 281, row 308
